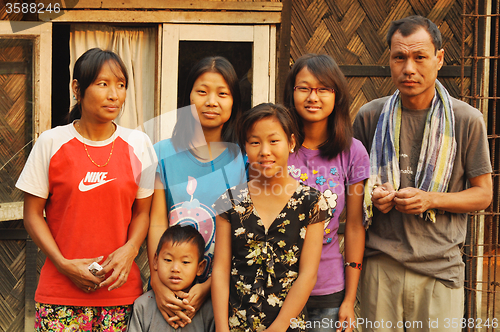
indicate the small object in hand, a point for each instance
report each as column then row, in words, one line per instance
column 94, row 268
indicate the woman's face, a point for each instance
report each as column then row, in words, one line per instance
column 268, row 148
column 104, row 97
column 213, row 100
column 316, row 104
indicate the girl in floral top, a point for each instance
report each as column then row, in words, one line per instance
column 261, row 233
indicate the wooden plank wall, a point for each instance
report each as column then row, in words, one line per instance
column 20, row 259
column 160, row 11
column 353, row 33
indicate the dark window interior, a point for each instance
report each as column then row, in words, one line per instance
column 238, row 53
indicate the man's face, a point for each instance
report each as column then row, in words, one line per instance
column 414, row 66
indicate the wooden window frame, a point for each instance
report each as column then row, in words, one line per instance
column 263, row 38
column 41, row 34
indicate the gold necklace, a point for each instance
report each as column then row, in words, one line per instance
column 88, row 154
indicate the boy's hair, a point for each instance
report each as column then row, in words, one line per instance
column 262, row 111
column 408, row 25
column 181, row 234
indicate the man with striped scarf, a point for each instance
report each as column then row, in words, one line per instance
column 430, row 166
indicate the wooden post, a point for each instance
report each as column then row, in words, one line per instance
column 31, row 283
column 284, row 48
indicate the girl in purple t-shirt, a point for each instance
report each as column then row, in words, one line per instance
column 330, row 160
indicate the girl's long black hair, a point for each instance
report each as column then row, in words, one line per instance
column 339, row 128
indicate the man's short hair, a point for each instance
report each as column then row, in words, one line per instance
column 181, row 234
column 408, row 25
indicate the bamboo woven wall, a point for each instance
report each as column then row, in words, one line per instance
column 14, row 57
column 12, row 276
column 15, row 114
column 353, row 33
column 18, row 277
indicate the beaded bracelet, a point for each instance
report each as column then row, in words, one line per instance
column 354, row 265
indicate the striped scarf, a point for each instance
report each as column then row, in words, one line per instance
column 437, row 153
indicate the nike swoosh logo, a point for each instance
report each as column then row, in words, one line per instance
column 84, row 187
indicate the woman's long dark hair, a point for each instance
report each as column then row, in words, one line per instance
column 339, row 127
column 87, row 68
column 185, row 125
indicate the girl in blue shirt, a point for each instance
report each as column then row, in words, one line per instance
column 195, row 167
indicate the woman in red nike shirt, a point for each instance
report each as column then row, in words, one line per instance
column 94, row 180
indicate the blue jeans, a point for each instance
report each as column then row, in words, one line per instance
column 322, row 319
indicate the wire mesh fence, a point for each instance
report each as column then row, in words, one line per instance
column 481, row 253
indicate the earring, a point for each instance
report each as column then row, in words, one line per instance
column 291, row 150
column 74, row 97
